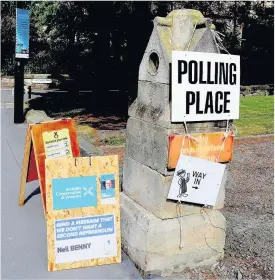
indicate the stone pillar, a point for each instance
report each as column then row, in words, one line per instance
column 150, row 225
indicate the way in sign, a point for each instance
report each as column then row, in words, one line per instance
column 198, row 176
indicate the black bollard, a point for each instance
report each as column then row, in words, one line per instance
column 19, row 91
column 29, row 92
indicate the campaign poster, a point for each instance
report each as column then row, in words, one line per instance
column 57, row 143
column 74, row 192
column 108, row 191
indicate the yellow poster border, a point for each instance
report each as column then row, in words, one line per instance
column 81, row 166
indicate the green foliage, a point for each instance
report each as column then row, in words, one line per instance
column 114, row 141
column 84, row 38
column 7, row 36
column 256, row 116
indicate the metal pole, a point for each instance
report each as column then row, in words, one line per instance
column 19, row 91
column 29, row 92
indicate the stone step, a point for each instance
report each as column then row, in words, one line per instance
column 153, row 243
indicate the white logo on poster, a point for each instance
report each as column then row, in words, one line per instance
column 88, row 191
column 196, row 180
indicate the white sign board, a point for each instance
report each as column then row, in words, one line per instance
column 196, row 180
column 205, row 86
column 42, row 81
column 85, row 238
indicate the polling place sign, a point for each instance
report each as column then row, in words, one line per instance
column 205, row 86
column 22, row 33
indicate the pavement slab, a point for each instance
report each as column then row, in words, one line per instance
column 23, row 236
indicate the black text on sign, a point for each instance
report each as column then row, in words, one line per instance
column 205, row 86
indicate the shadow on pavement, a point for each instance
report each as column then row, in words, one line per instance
column 35, row 192
column 107, row 110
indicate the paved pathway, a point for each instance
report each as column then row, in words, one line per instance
column 24, row 247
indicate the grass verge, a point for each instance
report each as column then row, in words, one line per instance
column 256, row 116
column 114, row 141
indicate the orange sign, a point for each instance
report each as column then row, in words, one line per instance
column 52, row 139
column 209, row 146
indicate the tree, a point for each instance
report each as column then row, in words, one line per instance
column 103, row 42
column 7, row 36
column 257, row 52
column 58, row 25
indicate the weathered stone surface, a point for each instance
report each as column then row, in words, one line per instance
column 162, row 117
column 175, row 32
column 206, row 44
column 150, row 224
column 35, row 116
column 155, row 95
column 154, row 68
column 149, row 144
column 221, row 195
column 150, row 189
column 153, row 244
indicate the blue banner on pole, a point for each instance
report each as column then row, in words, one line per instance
column 22, row 33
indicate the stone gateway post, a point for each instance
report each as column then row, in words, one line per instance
column 153, row 227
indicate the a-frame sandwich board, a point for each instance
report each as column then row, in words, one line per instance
column 51, row 139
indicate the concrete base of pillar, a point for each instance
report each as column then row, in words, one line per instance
column 153, row 243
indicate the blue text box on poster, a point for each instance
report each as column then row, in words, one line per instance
column 84, row 227
column 22, row 33
column 74, row 192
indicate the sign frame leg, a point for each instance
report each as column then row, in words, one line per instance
column 25, row 166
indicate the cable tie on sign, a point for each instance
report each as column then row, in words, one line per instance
column 187, row 133
column 189, row 137
column 219, row 33
column 193, row 138
column 179, row 204
column 234, row 130
column 179, row 215
column 224, row 137
column 219, row 40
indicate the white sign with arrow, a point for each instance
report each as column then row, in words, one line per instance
column 196, row 180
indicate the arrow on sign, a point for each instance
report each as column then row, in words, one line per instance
column 195, row 188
